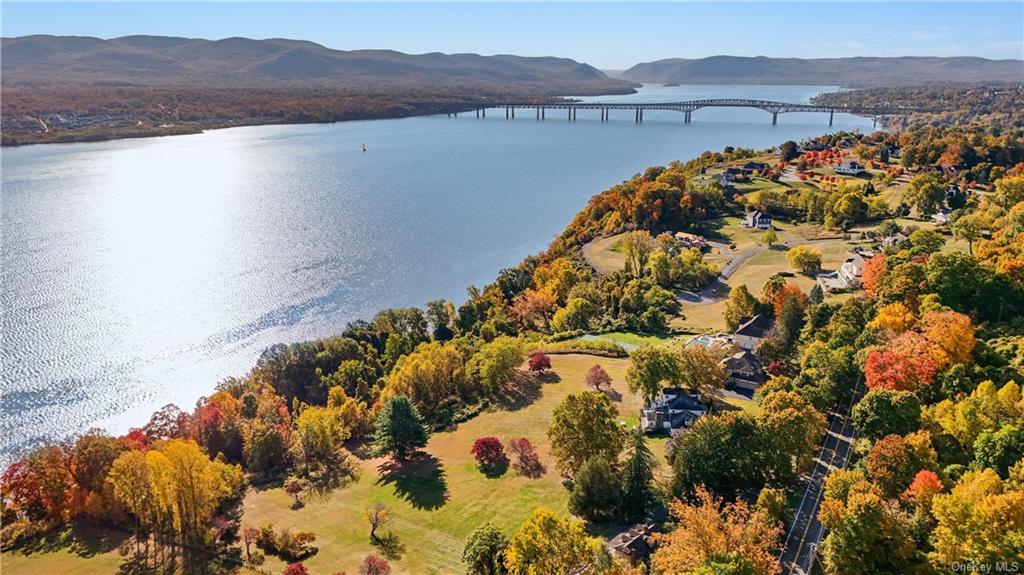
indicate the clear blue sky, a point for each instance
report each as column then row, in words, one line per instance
column 607, row 35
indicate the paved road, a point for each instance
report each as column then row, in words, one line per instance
column 805, row 534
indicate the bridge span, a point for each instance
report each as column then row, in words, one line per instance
column 686, row 108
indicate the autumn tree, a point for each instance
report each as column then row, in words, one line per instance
column 805, row 259
column 952, row 333
column 741, row 304
column 398, row 430
column 893, row 462
column 489, row 454
column 874, row 269
column 539, row 362
column 1000, row 449
column 699, row 370
column 723, row 452
column 792, row 428
column 428, row 376
column 637, row 247
column 585, row 425
column 905, row 365
column 926, row 192
column 709, row 528
column 650, row 369
column 377, row 516
column 374, row 565
column 894, row 317
column 597, row 377
column 547, row 543
column 925, row 241
column 978, row 521
column 770, row 237
column 525, row 459
column 496, row 362
column 484, row 552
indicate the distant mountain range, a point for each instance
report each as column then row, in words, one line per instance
column 161, row 60
column 846, row 72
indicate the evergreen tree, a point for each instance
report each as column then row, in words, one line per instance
column 595, row 495
column 817, row 295
column 399, row 429
column 636, row 478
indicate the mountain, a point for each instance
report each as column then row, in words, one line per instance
column 846, row 72
column 237, row 62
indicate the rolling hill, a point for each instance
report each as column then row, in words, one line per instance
column 846, row 72
column 233, row 62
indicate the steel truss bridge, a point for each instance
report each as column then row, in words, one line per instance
column 687, row 108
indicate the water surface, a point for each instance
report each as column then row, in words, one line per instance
column 137, row 273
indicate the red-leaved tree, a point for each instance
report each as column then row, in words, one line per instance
column 374, row 565
column 540, row 362
column 525, row 459
column 489, row 453
column 597, row 376
column 295, row 569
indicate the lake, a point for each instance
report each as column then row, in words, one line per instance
column 138, row 273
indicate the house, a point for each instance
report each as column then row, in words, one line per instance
column 755, row 166
column 894, row 151
column 758, row 219
column 691, row 240
column 848, row 276
column 743, row 370
column 942, row 218
column 675, row 408
column 633, row 544
column 731, row 175
column 849, row 168
column 751, row 331
column 894, row 240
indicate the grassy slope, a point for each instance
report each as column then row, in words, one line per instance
column 432, row 516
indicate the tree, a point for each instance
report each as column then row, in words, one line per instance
column 709, row 529
column 374, row 565
column 484, row 553
column 428, row 376
column 805, row 259
column 637, row 246
column 700, row 370
column 249, row 535
column 741, row 304
column 950, row 332
column 489, row 454
column 398, row 430
column 597, row 376
column 377, row 516
column 533, row 304
column 724, row 452
column 894, row 317
column 584, row 426
column 883, row 412
column 637, row 474
column 906, row 365
column 789, row 150
column 1000, row 449
column 526, row 461
column 577, row 314
column 978, row 521
column 970, row 227
column 770, row 237
column 892, row 464
column 650, row 368
column 926, row 192
column 497, row 361
column 925, row 241
column 320, row 434
column 874, row 269
column 295, row 487
column 539, row 362
column 547, row 543
column 867, row 534
column 793, row 428
column 1009, row 191
column 595, row 492
column 296, row 568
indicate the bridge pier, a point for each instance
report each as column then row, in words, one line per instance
column 775, row 118
column 513, row 112
column 542, row 110
column 686, row 118
column 483, row 112
column 568, row 113
column 478, row 112
column 641, row 114
column 506, row 112
column 874, row 121
column 831, row 113
column 538, row 112
column 574, row 114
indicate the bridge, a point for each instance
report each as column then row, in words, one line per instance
column 687, row 108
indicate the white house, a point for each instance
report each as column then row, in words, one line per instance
column 849, row 168
column 751, row 331
column 758, row 219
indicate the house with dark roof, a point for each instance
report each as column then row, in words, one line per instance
column 743, row 370
column 758, row 219
column 675, row 408
column 633, row 544
column 751, row 331
column 755, row 166
column 894, row 240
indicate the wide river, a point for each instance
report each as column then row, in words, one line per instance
column 138, row 273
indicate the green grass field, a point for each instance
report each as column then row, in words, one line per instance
column 437, row 505
column 632, row 340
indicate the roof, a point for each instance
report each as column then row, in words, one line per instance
column 756, row 326
column 742, row 361
column 633, row 541
column 677, row 406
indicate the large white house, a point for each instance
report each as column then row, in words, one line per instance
column 751, row 331
column 849, row 168
column 848, row 276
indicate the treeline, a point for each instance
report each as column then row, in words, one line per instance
column 958, row 104
column 48, row 113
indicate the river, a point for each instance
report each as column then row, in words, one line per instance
column 138, row 273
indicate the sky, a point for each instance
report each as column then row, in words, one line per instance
column 604, row 34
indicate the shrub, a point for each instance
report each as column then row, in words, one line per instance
column 539, row 361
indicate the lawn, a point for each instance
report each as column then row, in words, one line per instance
column 436, row 505
column 604, row 254
column 632, row 340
